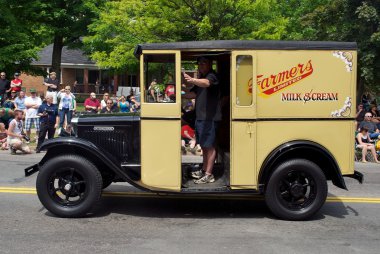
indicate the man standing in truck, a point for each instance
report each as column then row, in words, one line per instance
column 208, row 114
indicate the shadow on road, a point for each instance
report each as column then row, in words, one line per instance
column 164, row 207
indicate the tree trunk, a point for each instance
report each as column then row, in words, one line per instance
column 57, row 54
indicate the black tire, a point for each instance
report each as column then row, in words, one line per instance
column 296, row 190
column 69, row 185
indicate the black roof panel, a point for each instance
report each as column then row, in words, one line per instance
column 253, row 44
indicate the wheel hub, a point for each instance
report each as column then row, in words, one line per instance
column 67, row 187
column 297, row 190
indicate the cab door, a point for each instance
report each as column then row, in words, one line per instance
column 243, row 120
column 160, row 120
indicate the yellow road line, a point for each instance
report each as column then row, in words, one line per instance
column 25, row 190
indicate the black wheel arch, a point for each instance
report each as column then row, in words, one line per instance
column 104, row 161
column 306, row 150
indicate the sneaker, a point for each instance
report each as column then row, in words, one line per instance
column 205, row 179
column 197, row 174
column 13, row 151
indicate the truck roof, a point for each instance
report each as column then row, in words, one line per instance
column 246, row 44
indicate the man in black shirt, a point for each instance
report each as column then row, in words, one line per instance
column 5, row 86
column 208, row 114
column 52, row 84
column 49, row 120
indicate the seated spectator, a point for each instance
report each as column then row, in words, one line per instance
column 16, row 134
column 6, row 116
column 375, row 114
column 110, row 108
column 170, row 93
column 92, row 105
column 370, row 126
column 153, row 90
column 363, row 141
column 123, row 105
column 360, row 115
column 9, row 102
column 188, row 136
column 66, row 105
column 134, row 104
column 3, row 137
column 20, row 101
column 103, row 103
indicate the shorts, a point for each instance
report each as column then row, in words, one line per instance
column 30, row 121
column 205, row 133
column 24, row 147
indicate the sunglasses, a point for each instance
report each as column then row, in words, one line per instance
column 368, row 116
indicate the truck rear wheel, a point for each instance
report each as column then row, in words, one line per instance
column 69, row 185
column 296, row 190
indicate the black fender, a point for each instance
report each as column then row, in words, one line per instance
column 70, row 145
column 302, row 149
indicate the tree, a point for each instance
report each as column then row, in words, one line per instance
column 346, row 20
column 21, row 35
column 125, row 23
column 67, row 21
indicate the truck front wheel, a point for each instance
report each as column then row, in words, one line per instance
column 296, row 190
column 69, row 185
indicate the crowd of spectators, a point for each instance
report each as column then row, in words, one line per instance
column 21, row 111
column 368, row 127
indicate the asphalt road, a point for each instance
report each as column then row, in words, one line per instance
column 133, row 222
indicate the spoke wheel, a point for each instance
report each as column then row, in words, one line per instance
column 296, row 190
column 69, row 185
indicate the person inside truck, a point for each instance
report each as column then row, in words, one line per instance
column 363, row 142
column 208, row 113
column 373, row 131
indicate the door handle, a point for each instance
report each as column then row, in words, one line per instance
column 250, row 129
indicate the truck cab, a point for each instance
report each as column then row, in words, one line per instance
column 287, row 128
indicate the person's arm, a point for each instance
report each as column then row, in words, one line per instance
column 357, row 114
column 59, row 93
column 186, row 133
column 201, row 82
column 74, row 105
column 72, row 95
column 16, row 104
column 86, row 106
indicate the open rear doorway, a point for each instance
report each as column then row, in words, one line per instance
column 192, row 154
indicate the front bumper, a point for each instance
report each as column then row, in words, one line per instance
column 31, row 170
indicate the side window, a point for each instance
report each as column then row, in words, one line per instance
column 159, row 78
column 244, row 75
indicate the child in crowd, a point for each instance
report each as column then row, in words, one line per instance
column 3, row 137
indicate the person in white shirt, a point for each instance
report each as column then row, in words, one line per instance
column 16, row 135
column 32, row 103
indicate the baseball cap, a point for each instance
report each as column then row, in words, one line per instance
column 32, row 90
column 13, row 91
column 17, row 74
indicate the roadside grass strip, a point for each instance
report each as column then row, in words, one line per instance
column 330, row 199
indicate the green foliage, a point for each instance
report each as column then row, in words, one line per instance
column 125, row 23
column 21, row 35
column 344, row 20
